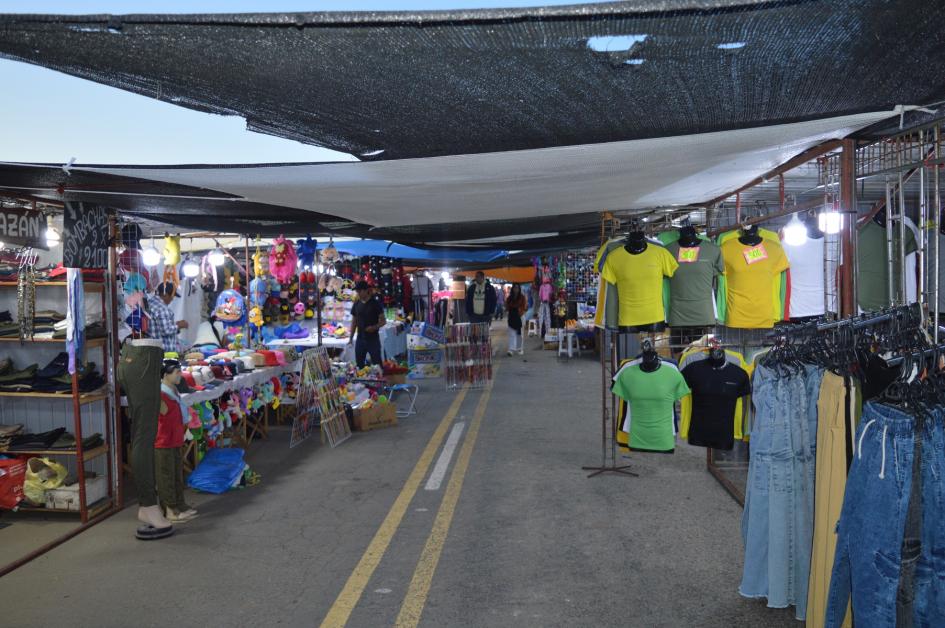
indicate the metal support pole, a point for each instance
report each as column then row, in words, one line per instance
column 890, row 296
column 923, row 226
column 248, row 336
column 848, row 233
column 903, row 291
column 937, row 235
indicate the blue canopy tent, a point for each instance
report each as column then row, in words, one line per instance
column 444, row 256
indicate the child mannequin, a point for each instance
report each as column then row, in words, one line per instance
column 168, row 462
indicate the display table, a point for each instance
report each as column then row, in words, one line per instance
column 244, row 380
column 393, row 341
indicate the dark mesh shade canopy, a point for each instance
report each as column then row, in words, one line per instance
column 398, row 85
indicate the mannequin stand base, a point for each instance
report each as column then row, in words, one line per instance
column 624, row 470
column 150, row 533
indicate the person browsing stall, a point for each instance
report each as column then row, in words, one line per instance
column 367, row 319
column 163, row 326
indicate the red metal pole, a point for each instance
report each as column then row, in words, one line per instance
column 848, row 232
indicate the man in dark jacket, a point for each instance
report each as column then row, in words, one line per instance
column 480, row 300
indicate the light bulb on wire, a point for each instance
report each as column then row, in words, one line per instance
column 52, row 236
column 795, row 232
column 830, row 222
column 151, row 256
column 190, row 268
column 216, row 257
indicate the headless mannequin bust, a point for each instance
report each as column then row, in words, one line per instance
column 635, row 243
column 749, row 236
column 688, row 237
column 651, row 360
column 716, row 357
column 880, row 218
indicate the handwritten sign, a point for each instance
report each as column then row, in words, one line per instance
column 23, row 227
column 688, row 254
column 755, row 254
column 85, row 236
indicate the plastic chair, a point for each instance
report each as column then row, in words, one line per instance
column 412, row 391
column 532, row 327
column 567, row 343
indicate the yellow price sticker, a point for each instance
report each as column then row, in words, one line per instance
column 755, row 254
column 688, row 254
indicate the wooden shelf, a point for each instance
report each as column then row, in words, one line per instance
column 65, row 396
column 90, row 286
column 91, row 454
column 94, row 510
column 94, row 342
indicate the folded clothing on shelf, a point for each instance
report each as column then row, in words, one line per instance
column 67, row 442
column 35, row 442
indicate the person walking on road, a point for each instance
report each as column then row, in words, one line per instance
column 516, row 305
column 480, row 300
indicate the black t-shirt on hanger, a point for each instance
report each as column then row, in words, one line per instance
column 715, row 391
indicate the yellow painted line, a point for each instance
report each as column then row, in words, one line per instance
column 341, row 610
column 419, row 589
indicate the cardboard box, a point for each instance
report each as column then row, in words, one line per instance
column 429, row 332
column 375, row 417
column 67, row 497
column 420, row 343
column 425, row 371
column 427, row 356
column 396, row 378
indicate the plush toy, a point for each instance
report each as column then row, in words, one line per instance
column 171, row 250
column 283, row 261
column 306, row 250
column 258, row 291
column 256, row 316
column 261, row 263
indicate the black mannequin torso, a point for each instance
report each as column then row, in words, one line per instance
column 688, row 237
column 651, row 360
column 880, row 218
column 749, row 236
column 716, row 357
column 635, row 243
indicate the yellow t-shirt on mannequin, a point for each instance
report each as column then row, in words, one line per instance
column 639, row 281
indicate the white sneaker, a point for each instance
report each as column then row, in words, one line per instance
column 152, row 516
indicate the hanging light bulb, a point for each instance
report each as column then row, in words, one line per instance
column 151, row 256
column 216, row 256
column 830, row 222
column 795, row 232
column 190, row 267
column 52, row 236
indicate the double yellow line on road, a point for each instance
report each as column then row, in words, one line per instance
column 348, row 598
column 419, row 588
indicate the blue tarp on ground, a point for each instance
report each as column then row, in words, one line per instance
column 361, row 248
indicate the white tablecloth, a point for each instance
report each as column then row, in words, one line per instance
column 244, row 380
column 393, row 341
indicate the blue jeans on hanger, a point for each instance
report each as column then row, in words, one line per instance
column 778, row 520
column 867, row 563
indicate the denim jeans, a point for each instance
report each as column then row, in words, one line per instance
column 930, row 568
column 367, row 344
column 872, row 523
column 778, row 521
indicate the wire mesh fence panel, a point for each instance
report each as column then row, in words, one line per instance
column 319, row 401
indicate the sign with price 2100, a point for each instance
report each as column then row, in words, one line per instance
column 85, row 236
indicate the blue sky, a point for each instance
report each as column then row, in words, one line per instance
column 54, row 117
